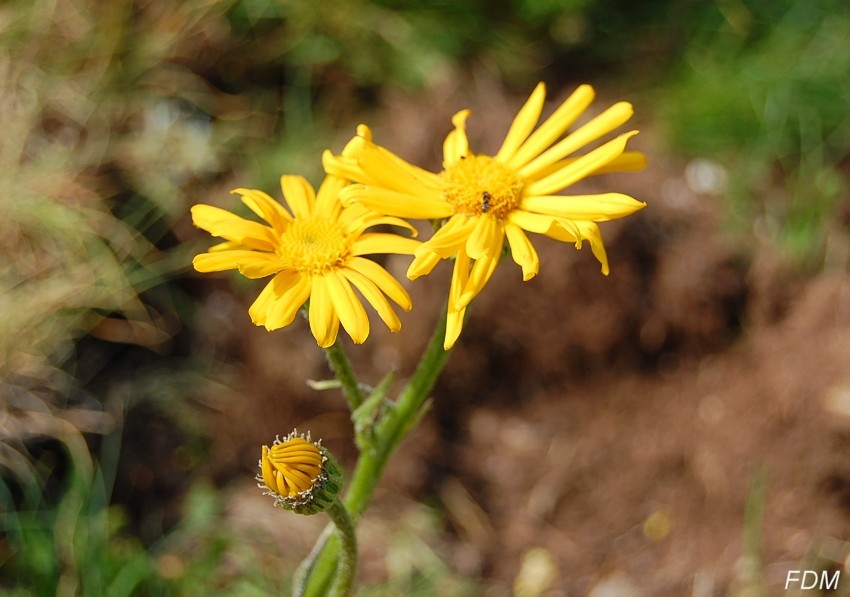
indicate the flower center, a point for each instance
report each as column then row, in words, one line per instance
column 479, row 185
column 295, row 465
column 313, row 245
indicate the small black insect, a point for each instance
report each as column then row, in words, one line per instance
column 485, row 202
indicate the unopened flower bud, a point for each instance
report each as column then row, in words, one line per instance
column 300, row 474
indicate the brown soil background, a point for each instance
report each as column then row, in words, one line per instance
column 617, row 422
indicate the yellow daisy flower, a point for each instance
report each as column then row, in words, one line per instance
column 316, row 252
column 485, row 200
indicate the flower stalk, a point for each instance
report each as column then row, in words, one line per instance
column 318, row 569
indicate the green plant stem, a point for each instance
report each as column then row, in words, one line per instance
column 341, row 367
column 400, row 418
column 348, row 542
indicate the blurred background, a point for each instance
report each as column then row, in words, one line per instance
column 684, row 429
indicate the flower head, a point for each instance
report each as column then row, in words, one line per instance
column 485, row 200
column 315, row 251
column 300, row 474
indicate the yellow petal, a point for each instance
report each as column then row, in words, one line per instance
column 382, row 279
column 379, row 242
column 454, row 326
column 278, row 303
column 357, row 218
column 596, row 208
column 450, row 238
column 606, row 122
column 455, row 314
column 384, row 168
column 341, row 166
column 288, row 300
column 327, row 199
column 522, row 251
column 523, row 124
column 222, row 260
column 422, row 265
column 460, row 277
column 348, row 307
column 581, row 168
column 591, row 233
column 554, row 126
column 226, row 246
column 259, row 265
column 375, row 297
column 299, row 194
column 484, row 237
column 296, row 480
column 324, row 322
column 266, row 207
column 422, row 205
column 456, row 145
column 269, row 477
column 227, row 225
column 628, row 161
column 538, row 223
column 479, row 275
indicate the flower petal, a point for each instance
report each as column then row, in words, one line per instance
column 220, row 261
column 382, row 167
column 324, row 322
column 460, row 277
column 483, row 238
column 523, row 124
column 376, row 298
column 595, row 208
column 327, row 198
column 266, row 207
column 628, row 161
column 554, row 126
column 380, row 242
column 299, row 194
column 382, row 278
column 260, row 265
column 479, row 275
column 450, row 238
column 522, row 251
column 590, row 232
column 226, row 246
column 454, row 326
column 348, row 307
column 341, row 166
column 421, row 205
column 581, row 168
column 227, row 225
column 278, row 303
column 357, row 218
column 422, row 265
column 456, row 145
column 606, row 122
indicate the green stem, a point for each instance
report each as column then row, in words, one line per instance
column 341, row 367
column 392, row 429
column 400, row 419
column 348, row 541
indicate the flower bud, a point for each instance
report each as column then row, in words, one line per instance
column 300, row 474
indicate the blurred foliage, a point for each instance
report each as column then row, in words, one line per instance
column 70, row 541
column 765, row 89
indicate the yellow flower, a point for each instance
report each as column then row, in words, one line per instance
column 300, row 474
column 316, row 252
column 485, row 200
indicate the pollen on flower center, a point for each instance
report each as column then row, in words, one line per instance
column 479, row 184
column 313, row 245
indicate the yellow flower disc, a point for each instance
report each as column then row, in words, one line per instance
column 478, row 184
